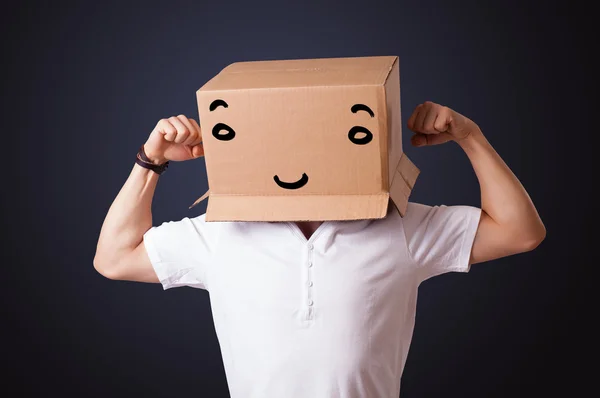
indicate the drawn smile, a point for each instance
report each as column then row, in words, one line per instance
column 292, row 185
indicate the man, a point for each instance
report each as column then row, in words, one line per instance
column 317, row 309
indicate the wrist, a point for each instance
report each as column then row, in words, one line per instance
column 472, row 140
column 155, row 165
column 154, row 158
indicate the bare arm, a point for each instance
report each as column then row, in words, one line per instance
column 509, row 222
column 120, row 253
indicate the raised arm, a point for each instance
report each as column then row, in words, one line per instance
column 509, row 222
column 120, row 253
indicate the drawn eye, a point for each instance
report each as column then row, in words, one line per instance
column 360, row 135
column 223, row 132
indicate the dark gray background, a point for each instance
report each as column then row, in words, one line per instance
column 84, row 84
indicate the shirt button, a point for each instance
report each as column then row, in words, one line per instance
column 310, row 283
column 310, row 302
column 311, row 246
column 309, row 264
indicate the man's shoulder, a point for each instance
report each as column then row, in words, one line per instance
column 191, row 223
column 413, row 209
column 418, row 213
column 201, row 222
column 421, row 209
column 418, row 207
column 226, row 227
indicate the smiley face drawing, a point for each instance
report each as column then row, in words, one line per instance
column 357, row 135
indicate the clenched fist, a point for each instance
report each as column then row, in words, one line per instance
column 176, row 138
column 435, row 124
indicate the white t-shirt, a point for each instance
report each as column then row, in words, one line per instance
column 327, row 317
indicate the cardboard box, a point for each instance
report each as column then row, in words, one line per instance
column 314, row 139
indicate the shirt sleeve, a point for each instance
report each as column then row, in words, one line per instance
column 440, row 238
column 180, row 252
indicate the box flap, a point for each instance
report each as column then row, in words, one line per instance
column 403, row 182
column 408, row 170
column 200, row 199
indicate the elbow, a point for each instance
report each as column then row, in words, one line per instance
column 104, row 268
column 532, row 240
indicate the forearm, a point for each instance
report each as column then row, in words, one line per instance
column 128, row 218
column 503, row 197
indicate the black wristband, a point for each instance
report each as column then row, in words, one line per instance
column 142, row 160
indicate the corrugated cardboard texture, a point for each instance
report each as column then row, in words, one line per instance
column 304, row 140
column 403, row 181
column 305, row 207
column 302, row 73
